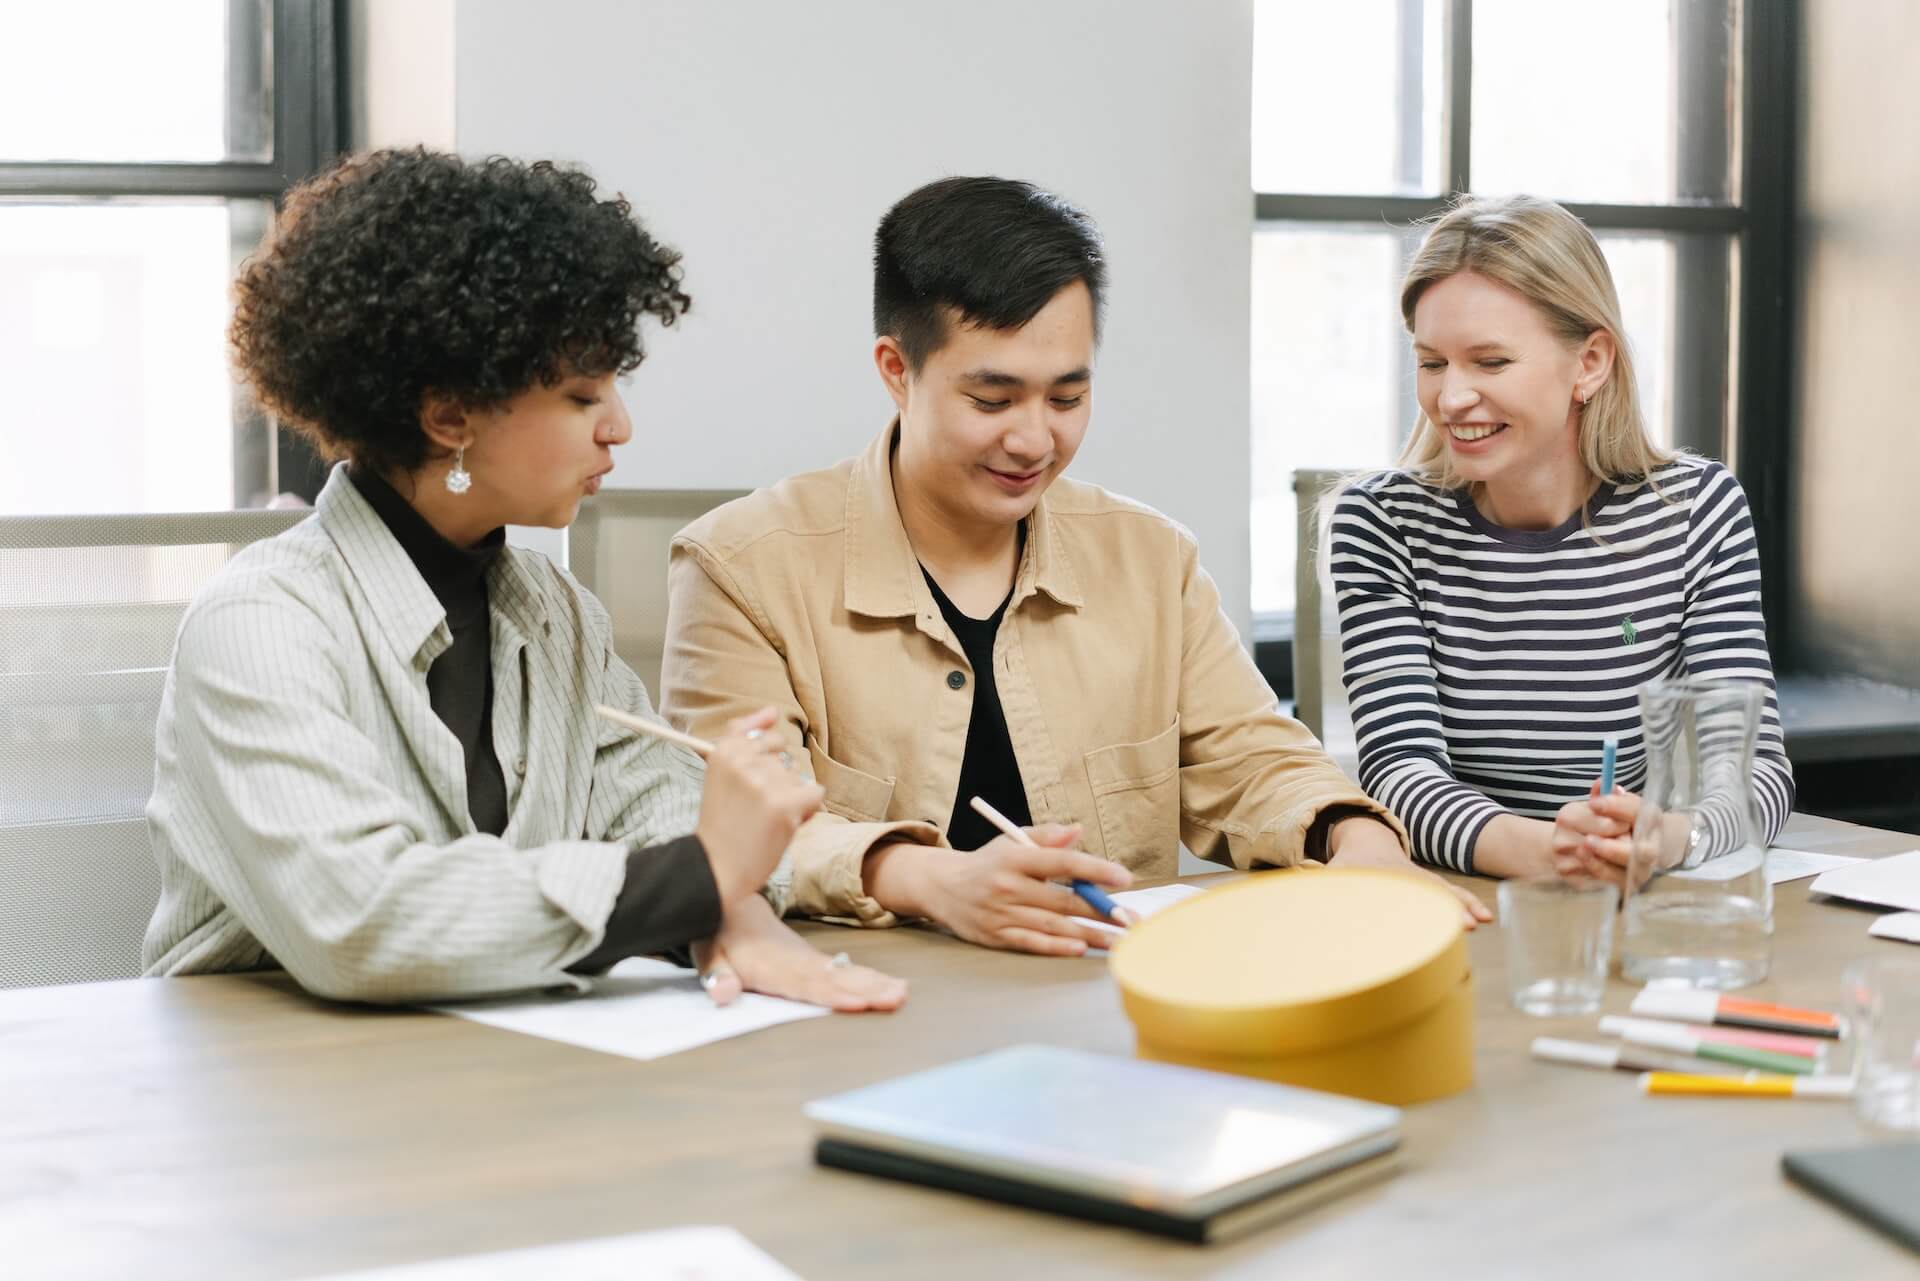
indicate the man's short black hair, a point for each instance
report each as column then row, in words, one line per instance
column 994, row 250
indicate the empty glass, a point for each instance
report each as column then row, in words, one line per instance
column 1883, row 1021
column 1559, row 940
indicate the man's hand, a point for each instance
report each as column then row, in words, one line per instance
column 755, row 951
column 1367, row 842
column 1002, row 894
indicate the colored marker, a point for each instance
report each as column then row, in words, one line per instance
column 1688, row 1005
column 1755, row 1085
column 1624, row 1058
column 1609, row 756
column 1805, row 1047
column 1094, row 897
column 1654, row 1035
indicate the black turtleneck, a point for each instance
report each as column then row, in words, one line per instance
column 460, row 682
column 669, row 897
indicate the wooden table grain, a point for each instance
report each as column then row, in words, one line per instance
column 233, row 1127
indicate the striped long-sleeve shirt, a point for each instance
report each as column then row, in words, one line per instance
column 1484, row 666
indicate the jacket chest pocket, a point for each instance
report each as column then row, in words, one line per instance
column 1136, row 793
column 852, row 794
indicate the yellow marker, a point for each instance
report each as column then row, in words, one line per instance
column 1752, row 1085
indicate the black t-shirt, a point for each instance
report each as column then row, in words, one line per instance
column 988, row 769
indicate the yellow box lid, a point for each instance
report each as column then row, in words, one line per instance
column 1286, row 963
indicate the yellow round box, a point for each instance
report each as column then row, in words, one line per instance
column 1353, row 981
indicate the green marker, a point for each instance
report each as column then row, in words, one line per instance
column 1628, row 632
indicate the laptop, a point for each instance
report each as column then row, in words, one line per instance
column 1197, row 1155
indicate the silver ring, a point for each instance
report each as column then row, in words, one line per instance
column 786, row 758
column 840, row 961
column 755, row 735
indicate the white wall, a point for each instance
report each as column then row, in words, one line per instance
column 765, row 139
column 402, row 83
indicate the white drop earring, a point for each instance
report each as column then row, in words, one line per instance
column 459, row 479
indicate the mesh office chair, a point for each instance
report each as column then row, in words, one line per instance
column 89, row 606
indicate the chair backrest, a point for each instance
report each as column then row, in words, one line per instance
column 1319, row 694
column 618, row 546
column 89, row 606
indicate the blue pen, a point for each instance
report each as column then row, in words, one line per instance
column 1609, row 751
column 1095, row 897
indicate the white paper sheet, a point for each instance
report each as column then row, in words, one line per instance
column 642, row 1008
column 677, row 1254
column 1792, row 865
column 1904, row 926
column 1890, row 882
column 1782, row 865
column 1144, row 903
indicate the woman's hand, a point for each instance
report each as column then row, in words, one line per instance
column 752, row 804
column 1594, row 837
column 755, row 951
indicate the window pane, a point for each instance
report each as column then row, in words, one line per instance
column 1347, row 97
column 113, row 322
column 1648, row 122
column 1674, row 302
column 1331, row 384
column 132, row 80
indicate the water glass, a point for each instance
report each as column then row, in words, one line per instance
column 1883, row 1022
column 1559, row 940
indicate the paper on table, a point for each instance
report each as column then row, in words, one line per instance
column 1782, row 865
column 1890, row 882
column 1791, row 865
column 1144, row 903
column 1904, row 926
column 677, row 1254
column 642, row 1008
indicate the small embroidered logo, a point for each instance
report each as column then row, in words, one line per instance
column 1628, row 632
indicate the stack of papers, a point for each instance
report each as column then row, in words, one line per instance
column 1885, row 882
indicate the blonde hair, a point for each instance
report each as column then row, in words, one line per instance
column 1547, row 256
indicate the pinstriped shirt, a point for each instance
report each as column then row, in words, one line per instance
column 1485, row 665
column 310, row 808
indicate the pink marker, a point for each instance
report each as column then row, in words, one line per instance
column 1805, row 1047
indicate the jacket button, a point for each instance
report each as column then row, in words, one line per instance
column 956, row 680
column 520, row 767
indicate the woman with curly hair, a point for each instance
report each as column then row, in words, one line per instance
column 378, row 765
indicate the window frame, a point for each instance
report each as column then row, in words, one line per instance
column 1758, row 320
column 310, row 130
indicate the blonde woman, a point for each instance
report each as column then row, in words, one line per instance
column 1533, row 562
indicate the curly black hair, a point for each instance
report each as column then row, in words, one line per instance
column 395, row 275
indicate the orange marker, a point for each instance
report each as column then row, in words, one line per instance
column 1689, row 1005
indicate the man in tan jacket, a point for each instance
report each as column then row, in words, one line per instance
column 944, row 616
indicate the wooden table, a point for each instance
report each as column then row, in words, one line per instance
column 232, row 1127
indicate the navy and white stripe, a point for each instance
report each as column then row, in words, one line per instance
column 1485, row 665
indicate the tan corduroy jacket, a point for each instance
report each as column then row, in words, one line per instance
column 1131, row 704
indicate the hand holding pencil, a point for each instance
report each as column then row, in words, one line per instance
column 753, row 801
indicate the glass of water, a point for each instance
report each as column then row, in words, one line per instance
column 1883, row 1022
column 1559, row 941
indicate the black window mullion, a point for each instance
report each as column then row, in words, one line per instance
column 1769, row 142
